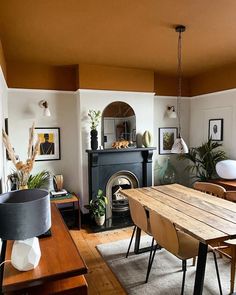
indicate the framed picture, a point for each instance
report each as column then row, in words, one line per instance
column 215, row 130
column 167, row 138
column 49, row 144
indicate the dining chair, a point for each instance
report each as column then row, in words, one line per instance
column 180, row 244
column 210, row 188
column 222, row 248
column 230, row 196
column 140, row 217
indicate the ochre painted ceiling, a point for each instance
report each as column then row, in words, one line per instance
column 124, row 33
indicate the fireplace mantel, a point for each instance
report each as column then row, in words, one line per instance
column 103, row 163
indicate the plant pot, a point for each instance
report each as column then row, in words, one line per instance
column 94, row 139
column 100, row 220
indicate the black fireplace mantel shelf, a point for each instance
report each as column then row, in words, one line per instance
column 120, row 150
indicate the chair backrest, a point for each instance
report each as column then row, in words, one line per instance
column 230, row 196
column 210, row 188
column 139, row 215
column 164, row 232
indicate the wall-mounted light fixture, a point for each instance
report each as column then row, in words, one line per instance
column 44, row 104
column 170, row 112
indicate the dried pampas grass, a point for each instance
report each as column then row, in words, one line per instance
column 23, row 169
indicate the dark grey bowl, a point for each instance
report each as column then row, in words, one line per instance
column 24, row 214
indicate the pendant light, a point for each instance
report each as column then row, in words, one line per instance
column 179, row 146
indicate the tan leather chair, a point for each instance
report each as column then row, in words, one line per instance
column 210, row 188
column 219, row 191
column 230, row 196
column 141, row 220
column 176, row 242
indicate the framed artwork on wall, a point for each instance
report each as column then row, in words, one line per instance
column 215, row 129
column 167, row 136
column 49, row 149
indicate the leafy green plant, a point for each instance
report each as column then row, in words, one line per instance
column 94, row 118
column 39, row 180
column 97, row 207
column 203, row 159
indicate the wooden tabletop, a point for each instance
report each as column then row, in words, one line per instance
column 60, row 259
column 205, row 217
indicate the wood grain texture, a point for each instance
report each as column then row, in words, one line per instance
column 100, row 278
column 68, row 286
column 60, row 259
column 73, row 199
column 205, row 217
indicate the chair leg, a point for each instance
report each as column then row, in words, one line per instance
column 127, row 254
column 217, row 272
column 232, row 275
column 151, row 258
column 184, row 268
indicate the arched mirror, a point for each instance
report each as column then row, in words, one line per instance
column 118, row 122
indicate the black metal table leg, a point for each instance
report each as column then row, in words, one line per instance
column 200, row 272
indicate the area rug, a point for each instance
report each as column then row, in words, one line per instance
column 166, row 274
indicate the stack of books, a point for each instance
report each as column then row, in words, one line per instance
column 62, row 193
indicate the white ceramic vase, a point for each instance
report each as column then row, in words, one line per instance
column 100, row 220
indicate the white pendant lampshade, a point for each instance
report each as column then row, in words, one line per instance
column 179, row 146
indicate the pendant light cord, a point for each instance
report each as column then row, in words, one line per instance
column 179, row 72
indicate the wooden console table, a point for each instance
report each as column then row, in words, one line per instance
column 60, row 269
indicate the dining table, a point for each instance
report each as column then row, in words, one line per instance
column 207, row 218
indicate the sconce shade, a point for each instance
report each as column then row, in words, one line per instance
column 46, row 112
column 24, row 214
column 171, row 113
column 179, row 146
column 44, row 104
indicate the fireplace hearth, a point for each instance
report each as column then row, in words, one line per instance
column 113, row 170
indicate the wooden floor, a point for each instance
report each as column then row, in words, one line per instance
column 100, row 278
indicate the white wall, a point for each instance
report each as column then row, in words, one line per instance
column 213, row 106
column 142, row 104
column 24, row 110
column 69, row 112
column 3, row 115
column 161, row 120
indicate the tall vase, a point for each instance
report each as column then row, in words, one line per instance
column 94, row 139
column 168, row 174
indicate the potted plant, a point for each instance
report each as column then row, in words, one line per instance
column 97, row 207
column 203, row 160
column 95, row 117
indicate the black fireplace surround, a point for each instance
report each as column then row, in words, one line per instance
column 103, row 164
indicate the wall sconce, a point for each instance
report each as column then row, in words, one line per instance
column 44, row 104
column 170, row 112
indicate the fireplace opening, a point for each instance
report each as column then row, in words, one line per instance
column 118, row 181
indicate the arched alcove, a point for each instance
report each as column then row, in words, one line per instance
column 118, row 122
